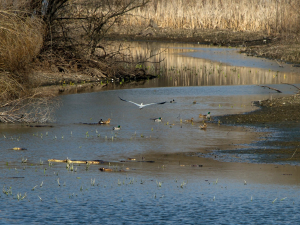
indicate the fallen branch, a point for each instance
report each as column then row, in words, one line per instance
column 271, row 88
column 279, row 63
column 292, row 85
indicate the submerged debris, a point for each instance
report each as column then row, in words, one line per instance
column 77, row 161
column 18, row 149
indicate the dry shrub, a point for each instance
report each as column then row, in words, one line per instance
column 18, row 104
column 21, row 38
column 10, row 88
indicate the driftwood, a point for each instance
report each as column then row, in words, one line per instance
column 76, row 161
column 292, row 85
column 271, row 88
column 279, row 63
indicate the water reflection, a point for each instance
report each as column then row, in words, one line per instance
column 196, row 65
column 215, row 192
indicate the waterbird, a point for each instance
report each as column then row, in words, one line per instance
column 205, row 116
column 203, row 127
column 159, row 119
column 189, row 121
column 117, row 128
column 208, row 115
column 142, row 105
column 104, row 122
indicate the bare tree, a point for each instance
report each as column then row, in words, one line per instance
column 73, row 31
column 79, row 23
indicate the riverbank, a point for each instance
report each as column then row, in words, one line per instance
column 281, row 47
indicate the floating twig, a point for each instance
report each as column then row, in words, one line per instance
column 294, row 153
column 279, row 63
column 271, row 88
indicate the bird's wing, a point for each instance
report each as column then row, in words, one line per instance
column 155, row 103
column 130, row 102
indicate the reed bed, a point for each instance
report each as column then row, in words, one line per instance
column 270, row 16
column 21, row 39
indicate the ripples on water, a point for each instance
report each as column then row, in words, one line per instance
column 214, row 193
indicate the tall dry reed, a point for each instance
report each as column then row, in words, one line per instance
column 21, row 38
column 270, row 16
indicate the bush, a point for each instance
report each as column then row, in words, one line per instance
column 21, row 39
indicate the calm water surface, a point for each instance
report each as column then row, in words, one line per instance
column 170, row 190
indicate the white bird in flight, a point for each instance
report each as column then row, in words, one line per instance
column 142, row 105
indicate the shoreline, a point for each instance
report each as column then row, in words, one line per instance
column 284, row 48
column 280, row 112
column 279, row 116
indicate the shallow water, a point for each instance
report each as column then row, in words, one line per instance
column 173, row 188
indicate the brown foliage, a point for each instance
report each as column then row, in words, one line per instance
column 21, row 38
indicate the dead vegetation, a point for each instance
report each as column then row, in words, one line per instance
column 265, row 28
column 21, row 39
column 60, row 35
column 256, row 15
column 68, row 37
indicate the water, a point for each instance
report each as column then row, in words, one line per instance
column 171, row 190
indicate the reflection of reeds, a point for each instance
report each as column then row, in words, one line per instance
column 190, row 71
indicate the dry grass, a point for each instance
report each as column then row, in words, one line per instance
column 271, row 16
column 21, row 39
column 10, row 88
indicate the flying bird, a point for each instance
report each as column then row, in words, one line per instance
column 142, row 105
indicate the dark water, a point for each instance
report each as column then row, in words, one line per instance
column 171, row 190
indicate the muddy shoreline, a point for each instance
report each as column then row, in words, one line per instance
column 281, row 118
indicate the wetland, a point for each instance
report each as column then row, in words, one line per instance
column 172, row 171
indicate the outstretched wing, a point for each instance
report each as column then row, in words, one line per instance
column 129, row 101
column 155, row 103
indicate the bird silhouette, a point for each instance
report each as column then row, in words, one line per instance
column 141, row 105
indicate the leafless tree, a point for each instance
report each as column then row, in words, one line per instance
column 79, row 23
